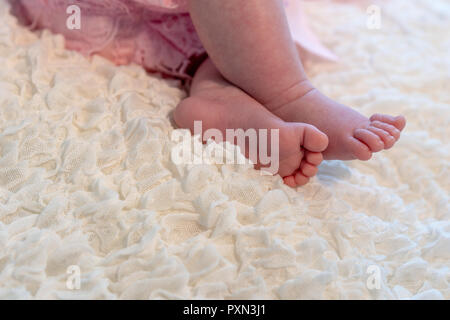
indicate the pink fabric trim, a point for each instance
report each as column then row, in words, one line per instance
column 160, row 37
column 157, row 34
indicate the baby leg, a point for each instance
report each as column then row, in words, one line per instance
column 250, row 44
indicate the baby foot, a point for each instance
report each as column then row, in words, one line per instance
column 297, row 168
column 222, row 106
column 351, row 135
column 308, row 168
column 300, row 145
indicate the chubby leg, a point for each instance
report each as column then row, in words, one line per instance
column 250, row 44
column 221, row 105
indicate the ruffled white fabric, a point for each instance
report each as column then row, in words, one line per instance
column 86, row 179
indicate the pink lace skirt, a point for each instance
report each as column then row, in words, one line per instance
column 157, row 34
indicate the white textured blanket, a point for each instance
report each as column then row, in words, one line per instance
column 87, row 185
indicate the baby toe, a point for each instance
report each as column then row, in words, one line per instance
column 313, row 139
column 358, row 149
column 307, row 169
column 370, row 139
column 314, row 158
column 393, row 131
column 301, row 179
column 290, row 181
column 387, row 139
column 398, row 122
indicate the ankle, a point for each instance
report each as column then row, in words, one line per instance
column 290, row 95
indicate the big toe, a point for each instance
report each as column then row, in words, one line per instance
column 358, row 149
column 313, row 139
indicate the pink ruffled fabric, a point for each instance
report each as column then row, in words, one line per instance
column 158, row 34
